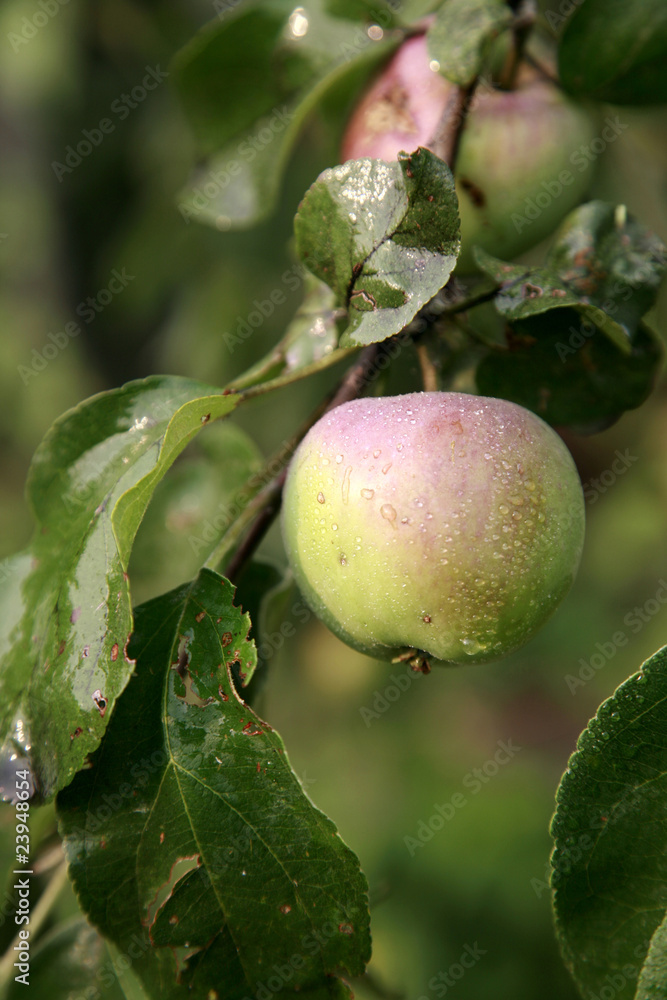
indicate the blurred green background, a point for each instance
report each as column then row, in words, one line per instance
column 480, row 880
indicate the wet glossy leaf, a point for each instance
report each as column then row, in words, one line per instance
column 568, row 372
column 70, row 961
column 383, row 236
column 68, row 614
column 531, row 291
column 190, row 508
column 249, row 82
column 461, row 36
column 616, row 51
column 310, row 338
column 610, row 857
column 611, row 260
column 191, row 831
column 604, row 264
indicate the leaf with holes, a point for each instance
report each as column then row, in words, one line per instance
column 66, row 602
column 191, row 832
column 384, row 236
column 604, row 264
column 610, row 857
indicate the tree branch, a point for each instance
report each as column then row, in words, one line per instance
column 264, row 507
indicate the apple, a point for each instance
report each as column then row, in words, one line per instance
column 524, row 159
column 433, row 526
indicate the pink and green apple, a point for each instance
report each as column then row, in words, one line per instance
column 520, row 167
column 433, row 526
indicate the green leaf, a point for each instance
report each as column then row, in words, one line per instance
column 651, row 985
column 310, row 338
column 610, row 857
column 68, row 619
column 384, row 13
column 263, row 592
column 604, row 264
column 230, row 74
column 568, row 372
column 383, row 236
column 611, row 261
column 69, row 961
column 461, row 36
column 616, row 51
column 190, row 509
column 532, row 291
column 191, row 827
column 301, row 56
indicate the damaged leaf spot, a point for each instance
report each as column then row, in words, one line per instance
column 180, row 868
column 100, row 701
column 114, row 651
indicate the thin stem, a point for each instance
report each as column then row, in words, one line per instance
column 258, row 389
column 447, row 138
column 429, row 375
column 263, row 512
column 259, row 514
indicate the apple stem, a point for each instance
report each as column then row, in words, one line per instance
column 429, row 375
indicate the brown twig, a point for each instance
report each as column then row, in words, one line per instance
column 267, row 502
column 447, row 138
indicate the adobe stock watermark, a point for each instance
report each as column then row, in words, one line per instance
column 580, row 159
column 311, row 945
column 389, row 695
column 45, row 11
column 272, row 642
column 635, row 620
column 121, row 109
column 106, row 975
column 556, row 19
column 440, row 984
column 292, row 279
column 475, row 781
column 210, row 185
column 88, row 309
column 227, row 513
column 595, row 488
